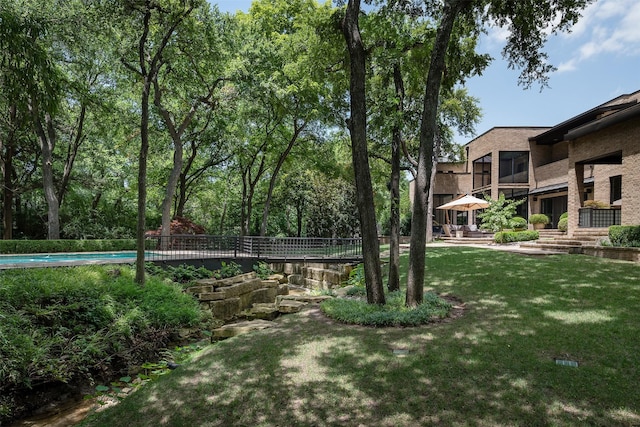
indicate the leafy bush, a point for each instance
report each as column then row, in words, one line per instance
column 227, row 270
column 356, row 276
column 515, row 236
column 564, row 215
column 595, row 204
column 539, row 218
column 183, row 273
column 262, row 270
column 498, row 215
column 70, row 324
column 51, row 246
column 394, row 313
column 625, row 235
column 518, row 223
column 563, row 224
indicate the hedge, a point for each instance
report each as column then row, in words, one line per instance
column 51, row 246
column 515, row 236
column 625, row 235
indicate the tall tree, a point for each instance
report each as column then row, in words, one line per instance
column 194, row 71
column 528, row 22
column 358, row 128
column 151, row 25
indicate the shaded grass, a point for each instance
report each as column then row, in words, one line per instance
column 493, row 366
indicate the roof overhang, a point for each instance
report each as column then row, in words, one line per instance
column 604, row 122
column 556, row 188
column 549, row 189
column 558, row 133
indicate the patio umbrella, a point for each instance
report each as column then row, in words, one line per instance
column 465, row 203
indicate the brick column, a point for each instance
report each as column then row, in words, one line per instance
column 630, row 184
column 576, row 191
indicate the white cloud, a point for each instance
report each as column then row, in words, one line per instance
column 607, row 27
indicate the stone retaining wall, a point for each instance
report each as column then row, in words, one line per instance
column 624, row 254
column 226, row 298
column 320, row 276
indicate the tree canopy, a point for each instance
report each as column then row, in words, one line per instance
column 295, row 118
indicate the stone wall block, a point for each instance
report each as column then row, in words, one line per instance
column 241, row 288
column 225, row 309
column 270, row 283
column 263, row 296
column 199, row 289
column 296, row 280
column 211, row 296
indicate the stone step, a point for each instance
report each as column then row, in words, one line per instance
column 563, row 242
column 234, row 329
column 570, row 249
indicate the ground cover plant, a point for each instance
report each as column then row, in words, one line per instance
column 393, row 313
column 76, row 325
column 494, row 365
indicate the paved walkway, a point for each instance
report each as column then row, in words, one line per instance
column 508, row 247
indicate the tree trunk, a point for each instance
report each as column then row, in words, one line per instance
column 182, row 188
column 394, row 235
column 7, row 173
column 47, row 140
column 428, row 129
column 358, row 128
column 142, row 182
column 7, row 194
column 167, row 202
column 72, row 153
column 274, row 175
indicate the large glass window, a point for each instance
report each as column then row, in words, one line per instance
column 517, row 194
column 514, row 167
column 616, row 188
column 482, row 172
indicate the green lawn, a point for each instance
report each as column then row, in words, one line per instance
column 493, row 366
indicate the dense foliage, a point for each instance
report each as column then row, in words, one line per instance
column 48, row 246
column 82, row 323
column 393, row 313
column 625, row 236
column 515, row 236
column 499, row 214
column 539, row 218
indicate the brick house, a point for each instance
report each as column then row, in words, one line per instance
column 592, row 156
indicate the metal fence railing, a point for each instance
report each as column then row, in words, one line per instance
column 598, row 218
column 188, row 246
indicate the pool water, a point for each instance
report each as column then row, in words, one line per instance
column 125, row 256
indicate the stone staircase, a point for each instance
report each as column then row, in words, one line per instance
column 558, row 241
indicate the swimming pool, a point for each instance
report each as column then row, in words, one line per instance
column 123, row 257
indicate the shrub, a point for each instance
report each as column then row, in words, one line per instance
column 515, row 236
column 262, row 270
column 227, row 270
column 595, row 204
column 497, row 216
column 625, row 235
column 393, row 313
column 563, row 224
column 356, row 276
column 564, row 215
column 518, row 223
column 47, row 246
column 538, row 218
column 73, row 324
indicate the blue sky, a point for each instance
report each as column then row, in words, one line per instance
column 597, row 61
